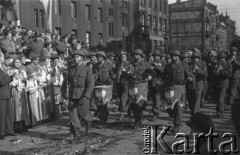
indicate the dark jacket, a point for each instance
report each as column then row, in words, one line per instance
column 176, row 74
column 103, row 73
column 81, row 81
column 4, row 85
column 139, row 69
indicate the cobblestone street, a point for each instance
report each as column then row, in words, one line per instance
column 114, row 137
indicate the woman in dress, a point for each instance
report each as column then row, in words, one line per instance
column 32, row 93
column 19, row 99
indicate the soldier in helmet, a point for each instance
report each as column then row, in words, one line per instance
column 81, row 81
column 174, row 76
column 121, row 69
column 103, row 75
column 139, row 66
column 93, row 59
column 222, row 72
column 155, row 85
column 199, row 69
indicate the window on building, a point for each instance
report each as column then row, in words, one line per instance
column 160, row 5
column 88, row 38
column 74, row 9
column 149, row 3
column 100, row 15
column 36, row 17
column 110, row 12
column 164, row 24
column 125, row 4
column 100, row 35
column 111, row 30
column 87, row 12
column 143, row 2
column 149, row 20
column 123, row 19
column 42, row 18
column 164, row 6
column 160, row 24
column 154, row 22
column 142, row 19
column 57, row 7
column 126, row 20
column 58, row 31
column 74, row 32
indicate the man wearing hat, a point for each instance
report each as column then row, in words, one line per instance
column 103, row 75
column 57, row 81
column 199, row 70
column 120, row 70
column 93, row 58
column 150, row 58
column 81, row 84
column 139, row 67
column 110, row 57
column 222, row 72
column 155, row 85
column 234, row 80
column 174, row 76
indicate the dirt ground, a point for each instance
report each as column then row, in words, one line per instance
column 111, row 138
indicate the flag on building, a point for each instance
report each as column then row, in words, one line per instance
column 9, row 10
column 47, row 4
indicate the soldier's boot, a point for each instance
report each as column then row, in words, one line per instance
column 88, row 128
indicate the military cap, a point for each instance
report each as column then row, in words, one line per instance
column 196, row 53
column 222, row 54
column 91, row 53
column 139, row 52
column 102, row 53
column 151, row 54
column 78, row 52
column 234, row 48
column 186, row 55
column 123, row 53
column 176, row 52
column 158, row 53
column 201, row 122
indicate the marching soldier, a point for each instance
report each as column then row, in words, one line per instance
column 93, row 59
column 150, row 58
column 234, row 80
column 137, row 82
column 155, row 87
column 81, row 83
column 174, row 76
column 103, row 74
column 121, row 69
column 199, row 69
column 222, row 72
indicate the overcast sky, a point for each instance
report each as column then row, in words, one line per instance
column 232, row 6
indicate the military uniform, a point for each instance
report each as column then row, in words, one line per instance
column 222, row 72
column 174, row 76
column 199, row 70
column 155, row 85
column 138, row 79
column 122, row 83
column 81, row 84
column 103, row 74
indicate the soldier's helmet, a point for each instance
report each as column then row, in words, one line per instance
column 78, row 52
column 196, row 53
column 102, row 53
column 91, row 53
column 176, row 53
column 157, row 53
column 222, row 54
column 139, row 52
column 110, row 54
column 123, row 53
